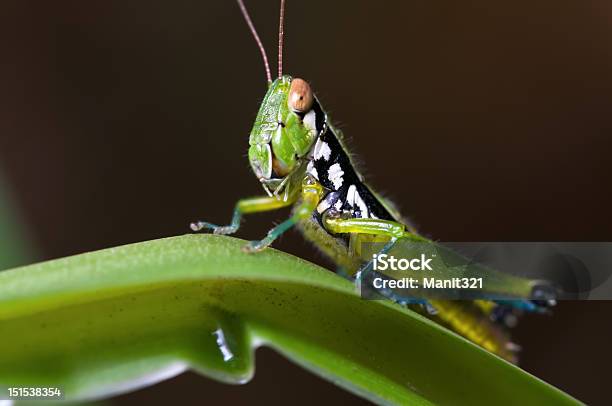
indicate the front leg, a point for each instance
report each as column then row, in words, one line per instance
column 309, row 200
column 244, row 206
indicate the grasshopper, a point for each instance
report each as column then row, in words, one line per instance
column 301, row 161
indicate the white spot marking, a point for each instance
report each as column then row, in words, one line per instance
column 353, row 198
column 334, row 174
column 324, row 205
column 312, row 170
column 322, row 150
column 310, row 121
column 350, row 195
column 338, row 205
column 363, row 208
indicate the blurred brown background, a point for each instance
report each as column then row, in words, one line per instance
column 485, row 121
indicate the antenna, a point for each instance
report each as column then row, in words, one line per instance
column 247, row 18
column 281, row 38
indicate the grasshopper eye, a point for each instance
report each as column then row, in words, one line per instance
column 300, row 96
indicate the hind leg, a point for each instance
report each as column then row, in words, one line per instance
column 394, row 232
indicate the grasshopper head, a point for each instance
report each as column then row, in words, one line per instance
column 283, row 133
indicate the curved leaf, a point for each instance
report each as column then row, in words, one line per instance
column 106, row 322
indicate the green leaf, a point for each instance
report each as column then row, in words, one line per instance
column 106, row 322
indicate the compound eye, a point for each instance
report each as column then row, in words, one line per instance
column 300, row 96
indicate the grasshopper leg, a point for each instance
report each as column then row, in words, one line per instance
column 309, row 199
column 395, row 232
column 244, row 206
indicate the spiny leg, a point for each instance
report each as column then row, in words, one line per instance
column 244, row 206
column 402, row 300
column 310, row 197
column 392, row 229
column 388, row 293
column 386, row 228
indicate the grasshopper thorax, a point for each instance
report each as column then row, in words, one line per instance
column 284, row 132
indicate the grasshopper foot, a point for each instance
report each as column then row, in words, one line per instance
column 253, row 247
column 221, row 230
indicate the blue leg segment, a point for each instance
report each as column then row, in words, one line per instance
column 401, row 300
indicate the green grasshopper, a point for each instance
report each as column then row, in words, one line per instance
column 301, row 161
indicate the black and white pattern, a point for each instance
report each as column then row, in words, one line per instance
column 332, row 167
